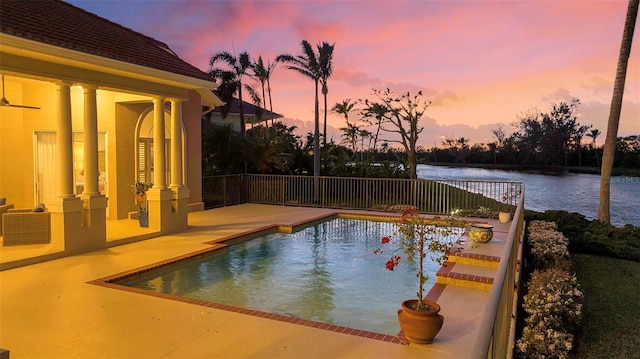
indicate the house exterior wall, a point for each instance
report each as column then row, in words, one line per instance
column 191, row 117
column 230, row 119
column 17, row 129
column 124, row 153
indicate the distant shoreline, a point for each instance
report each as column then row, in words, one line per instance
column 558, row 171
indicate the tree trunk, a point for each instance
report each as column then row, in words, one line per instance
column 579, row 156
column 243, row 130
column 270, row 103
column 241, row 108
column 316, row 150
column 604, row 213
column 411, row 160
column 324, row 138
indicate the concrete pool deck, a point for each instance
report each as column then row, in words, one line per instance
column 50, row 310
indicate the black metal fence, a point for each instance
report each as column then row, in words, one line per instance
column 429, row 196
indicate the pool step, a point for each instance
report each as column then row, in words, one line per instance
column 466, row 275
column 481, row 260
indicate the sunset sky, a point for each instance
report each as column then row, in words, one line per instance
column 481, row 63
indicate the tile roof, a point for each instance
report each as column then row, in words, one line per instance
column 248, row 108
column 61, row 24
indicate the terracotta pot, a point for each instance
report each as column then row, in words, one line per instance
column 504, row 217
column 420, row 326
column 141, row 197
column 481, row 233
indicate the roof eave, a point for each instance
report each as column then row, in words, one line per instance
column 37, row 50
column 209, row 98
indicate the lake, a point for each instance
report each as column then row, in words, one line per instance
column 571, row 192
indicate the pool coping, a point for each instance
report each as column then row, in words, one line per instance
column 433, row 294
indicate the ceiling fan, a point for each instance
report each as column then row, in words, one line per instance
column 5, row 102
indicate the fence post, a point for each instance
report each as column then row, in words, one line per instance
column 224, row 191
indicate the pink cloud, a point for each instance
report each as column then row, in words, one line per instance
column 480, row 62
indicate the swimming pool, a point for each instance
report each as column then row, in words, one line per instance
column 326, row 272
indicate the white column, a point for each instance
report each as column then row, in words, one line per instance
column 64, row 139
column 176, row 143
column 90, row 142
column 159, row 170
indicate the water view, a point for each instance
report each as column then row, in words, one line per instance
column 325, row 273
column 570, row 192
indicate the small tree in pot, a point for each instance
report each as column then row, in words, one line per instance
column 509, row 201
column 418, row 237
column 140, row 189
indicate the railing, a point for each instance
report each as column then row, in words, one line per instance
column 428, row 196
column 497, row 326
column 221, row 191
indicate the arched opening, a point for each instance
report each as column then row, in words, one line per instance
column 144, row 144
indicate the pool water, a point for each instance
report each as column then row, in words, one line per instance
column 326, row 273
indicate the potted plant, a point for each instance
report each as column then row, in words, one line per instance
column 508, row 203
column 418, row 237
column 140, row 189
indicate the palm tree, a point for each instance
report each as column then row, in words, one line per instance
column 594, row 134
column 344, row 108
column 325, row 52
column 350, row 135
column 604, row 214
column 464, row 148
column 238, row 67
column 263, row 74
column 308, row 65
column 257, row 100
column 378, row 112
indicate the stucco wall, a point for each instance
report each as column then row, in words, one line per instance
column 191, row 117
column 122, row 160
column 17, row 129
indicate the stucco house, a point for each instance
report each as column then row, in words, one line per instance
column 253, row 115
column 101, row 98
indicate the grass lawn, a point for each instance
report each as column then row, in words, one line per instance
column 611, row 315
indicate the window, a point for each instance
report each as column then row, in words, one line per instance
column 146, row 161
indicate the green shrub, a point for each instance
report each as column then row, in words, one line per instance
column 553, row 302
column 593, row 237
column 548, row 246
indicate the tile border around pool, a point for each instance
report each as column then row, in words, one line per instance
column 400, row 338
column 108, row 281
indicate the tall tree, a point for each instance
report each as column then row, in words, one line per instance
column 576, row 144
column 458, row 147
column 344, row 108
column 594, row 135
column 604, row 210
column 546, row 137
column 350, row 134
column 498, row 146
column 263, row 74
column 376, row 111
column 403, row 112
column 237, row 67
column 257, row 100
column 325, row 55
column 561, row 129
column 308, row 65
